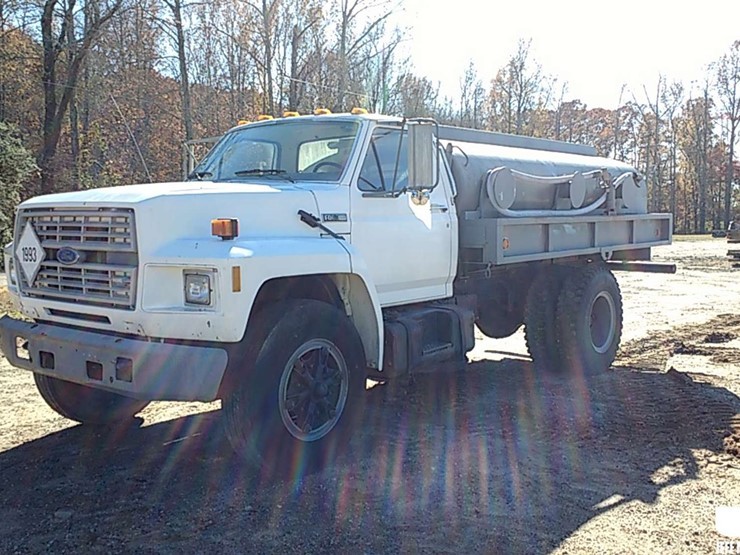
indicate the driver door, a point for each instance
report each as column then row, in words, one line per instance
column 408, row 248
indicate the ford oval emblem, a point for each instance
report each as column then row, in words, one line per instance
column 68, row 256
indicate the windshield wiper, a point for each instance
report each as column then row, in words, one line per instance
column 261, row 172
column 199, row 175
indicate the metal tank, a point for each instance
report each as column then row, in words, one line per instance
column 537, row 177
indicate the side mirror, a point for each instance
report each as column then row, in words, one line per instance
column 423, row 171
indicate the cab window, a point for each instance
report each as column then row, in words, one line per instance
column 385, row 167
column 243, row 153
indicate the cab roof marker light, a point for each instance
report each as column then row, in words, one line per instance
column 243, row 122
column 357, row 111
column 264, row 117
column 289, row 114
column 321, row 112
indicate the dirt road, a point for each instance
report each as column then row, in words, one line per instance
column 494, row 459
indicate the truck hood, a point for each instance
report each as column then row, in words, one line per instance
column 184, row 210
column 134, row 194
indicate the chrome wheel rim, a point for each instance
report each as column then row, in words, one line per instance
column 313, row 390
column 603, row 322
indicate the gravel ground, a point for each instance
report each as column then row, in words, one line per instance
column 491, row 459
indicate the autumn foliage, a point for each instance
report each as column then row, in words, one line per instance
column 105, row 92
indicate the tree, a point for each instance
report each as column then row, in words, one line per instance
column 16, row 166
column 304, row 26
column 471, row 98
column 59, row 32
column 266, row 14
column 176, row 8
column 728, row 91
column 361, row 23
column 518, row 89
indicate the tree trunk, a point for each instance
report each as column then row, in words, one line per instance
column 268, row 57
column 74, row 128
column 729, row 171
column 703, row 177
column 56, row 109
column 187, row 115
column 50, row 137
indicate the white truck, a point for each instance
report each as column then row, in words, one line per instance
column 307, row 254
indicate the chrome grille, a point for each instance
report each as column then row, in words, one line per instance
column 106, row 240
column 105, row 230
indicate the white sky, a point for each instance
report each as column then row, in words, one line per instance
column 594, row 46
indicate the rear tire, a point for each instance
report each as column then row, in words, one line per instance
column 300, row 388
column 589, row 319
column 85, row 404
column 540, row 320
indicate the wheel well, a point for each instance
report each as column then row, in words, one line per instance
column 345, row 291
column 316, row 287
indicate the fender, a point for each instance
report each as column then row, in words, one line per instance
column 262, row 260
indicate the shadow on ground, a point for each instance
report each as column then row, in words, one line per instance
column 488, row 460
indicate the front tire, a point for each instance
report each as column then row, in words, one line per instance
column 84, row 404
column 300, row 387
column 590, row 319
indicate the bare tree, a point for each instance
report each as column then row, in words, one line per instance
column 518, row 89
column 176, row 8
column 360, row 24
column 264, row 54
column 301, row 19
column 728, row 92
column 56, row 21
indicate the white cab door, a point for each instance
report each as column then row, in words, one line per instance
column 407, row 248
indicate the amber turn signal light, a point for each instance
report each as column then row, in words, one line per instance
column 226, row 228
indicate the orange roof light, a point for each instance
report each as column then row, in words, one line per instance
column 289, row 114
column 226, row 228
column 264, row 117
column 321, row 111
column 243, row 122
column 356, row 111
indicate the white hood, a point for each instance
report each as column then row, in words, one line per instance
column 134, row 194
column 183, row 211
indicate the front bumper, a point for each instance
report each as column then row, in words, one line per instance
column 132, row 367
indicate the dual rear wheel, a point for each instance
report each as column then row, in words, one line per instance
column 573, row 319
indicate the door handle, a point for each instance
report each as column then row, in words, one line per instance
column 439, row 208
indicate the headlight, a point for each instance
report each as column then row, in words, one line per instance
column 197, row 289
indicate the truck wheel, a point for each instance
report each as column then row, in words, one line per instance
column 497, row 323
column 300, row 388
column 540, row 320
column 589, row 318
column 86, row 404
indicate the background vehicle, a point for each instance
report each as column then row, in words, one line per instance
column 306, row 254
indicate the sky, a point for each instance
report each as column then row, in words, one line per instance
column 595, row 46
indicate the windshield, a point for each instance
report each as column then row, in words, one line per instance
column 306, row 150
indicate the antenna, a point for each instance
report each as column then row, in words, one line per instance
column 131, row 134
